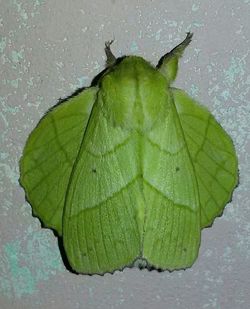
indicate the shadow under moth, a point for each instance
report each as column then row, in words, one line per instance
column 129, row 169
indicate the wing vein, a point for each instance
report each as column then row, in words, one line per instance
column 34, row 149
column 168, row 153
column 109, row 152
column 166, row 197
column 108, row 198
column 201, row 149
column 47, row 159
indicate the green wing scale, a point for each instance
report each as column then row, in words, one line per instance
column 212, row 153
column 105, row 236
column 172, row 233
column 49, row 154
column 130, row 169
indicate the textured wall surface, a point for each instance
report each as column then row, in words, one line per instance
column 48, row 49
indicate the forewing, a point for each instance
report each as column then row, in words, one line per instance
column 172, row 218
column 100, row 228
column 213, row 155
column 49, row 155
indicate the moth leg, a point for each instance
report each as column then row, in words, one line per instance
column 111, row 59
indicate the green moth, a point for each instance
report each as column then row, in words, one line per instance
column 129, row 169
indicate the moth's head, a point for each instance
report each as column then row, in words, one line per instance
column 134, row 94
